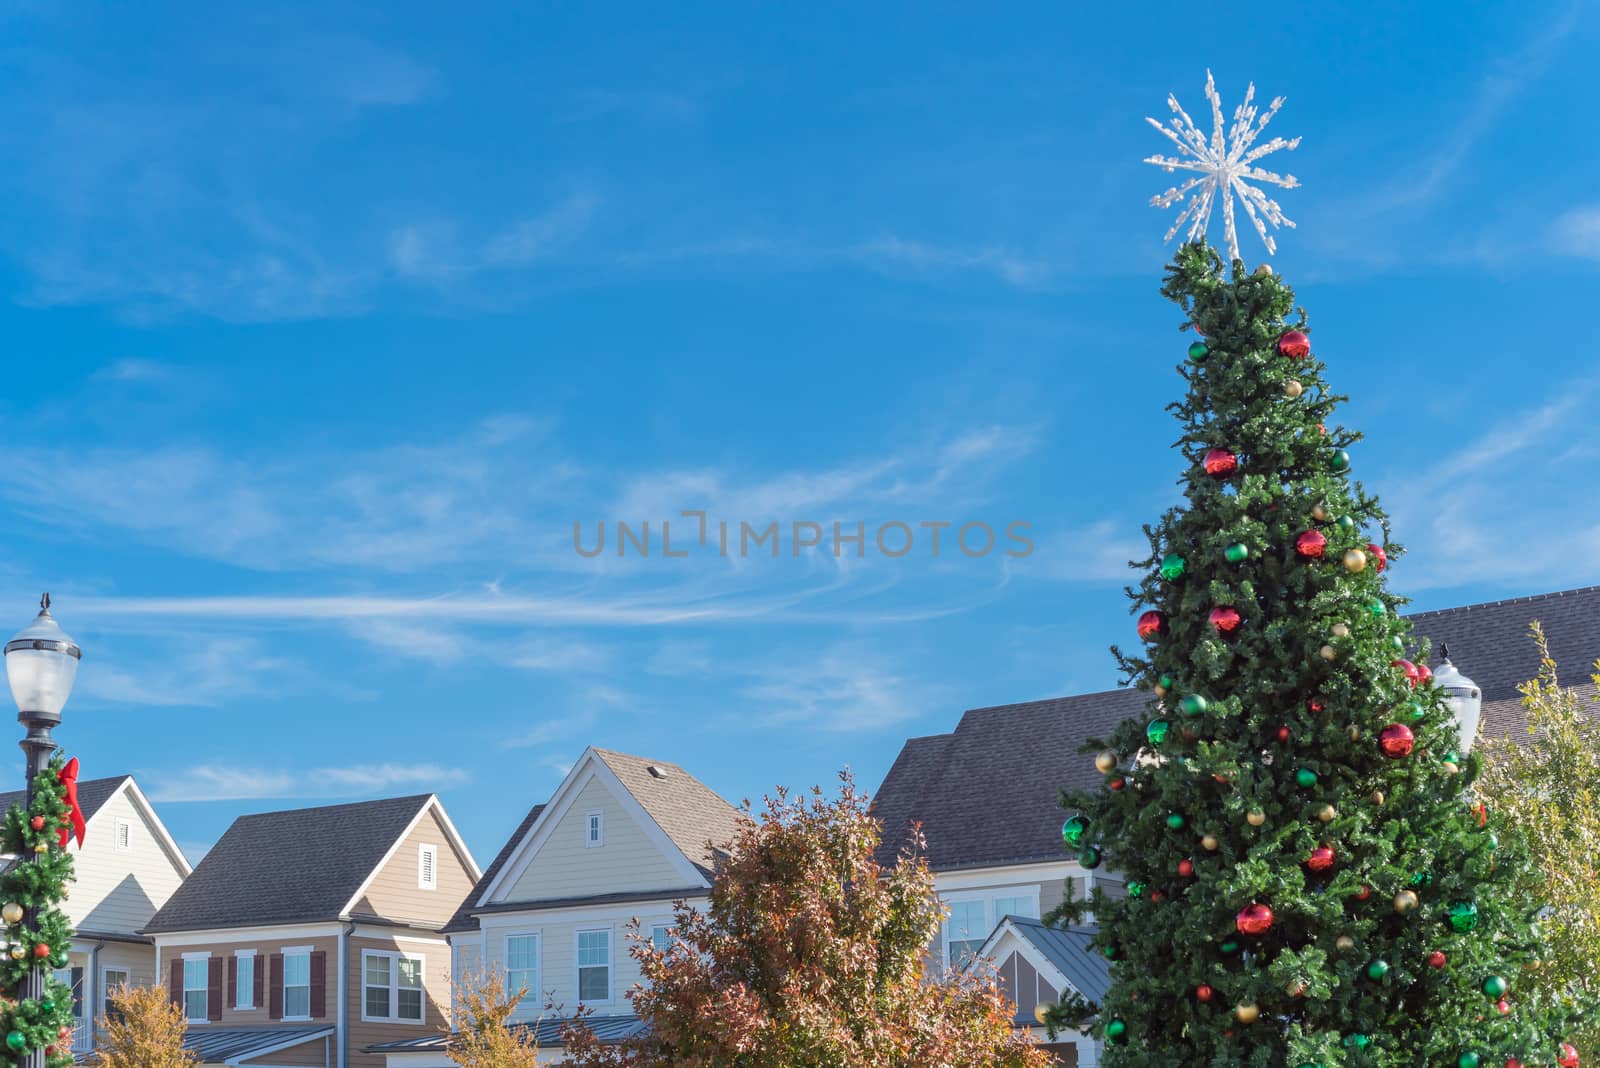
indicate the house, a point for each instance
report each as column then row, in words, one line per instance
column 621, row 839
column 306, row 936
column 985, row 794
column 127, row 868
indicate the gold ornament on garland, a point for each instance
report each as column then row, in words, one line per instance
column 1341, row 630
column 1355, row 561
column 1344, row 943
column 1327, row 813
column 1405, row 901
column 11, row 912
column 1106, row 761
column 1293, row 388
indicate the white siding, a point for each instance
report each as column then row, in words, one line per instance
column 118, row 890
column 566, row 867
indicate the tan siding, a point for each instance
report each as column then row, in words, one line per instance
column 264, row 947
column 565, row 867
column 118, row 890
column 435, row 981
column 395, row 895
column 315, row 1054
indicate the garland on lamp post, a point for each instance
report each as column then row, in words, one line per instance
column 37, row 932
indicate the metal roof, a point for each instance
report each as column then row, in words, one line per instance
column 221, row 1045
column 608, row 1029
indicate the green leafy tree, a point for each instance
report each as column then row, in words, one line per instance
column 810, row 955
column 1307, row 884
column 1547, row 785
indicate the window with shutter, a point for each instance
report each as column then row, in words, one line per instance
column 196, row 984
column 297, row 984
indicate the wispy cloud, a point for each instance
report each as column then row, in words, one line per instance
column 222, row 782
column 194, row 671
column 842, row 688
column 1577, row 233
column 132, row 370
column 896, row 255
column 435, row 252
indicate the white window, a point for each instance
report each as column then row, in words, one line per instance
column 391, row 987
column 122, row 834
column 244, row 987
column 594, row 966
column 196, row 980
column 112, row 980
column 522, row 965
column 595, row 829
column 297, row 984
column 428, row 867
column 661, row 937
column 1025, row 905
column 965, row 930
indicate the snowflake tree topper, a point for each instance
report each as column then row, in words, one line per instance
column 1225, row 168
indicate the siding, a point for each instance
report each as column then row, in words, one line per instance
column 395, row 895
column 565, row 867
column 118, row 890
column 435, row 981
column 315, row 1054
column 256, row 1015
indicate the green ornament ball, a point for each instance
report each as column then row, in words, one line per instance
column 1074, row 830
column 47, row 1005
column 1306, row 778
column 1339, row 460
column 1421, row 879
column 1192, row 704
column 1175, row 821
column 1172, row 567
column 1496, row 986
column 1112, row 952
column 1377, row 969
column 1346, row 523
column 1468, row 1059
column 1493, row 840
column 1237, row 553
column 1463, row 916
column 1397, row 643
column 1165, row 682
column 1090, row 857
column 1199, row 351
column 1115, row 1028
column 17, row 1041
column 1136, row 888
column 1417, row 711
column 1357, row 1041
column 1377, row 607
column 1309, row 1064
column 1229, row 947
column 1156, row 732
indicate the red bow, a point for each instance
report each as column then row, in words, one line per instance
column 68, row 778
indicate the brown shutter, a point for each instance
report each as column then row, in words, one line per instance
column 319, row 985
column 261, row 980
column 175, row 981
column 276, row 994
column 233, row 980
column 214, row 989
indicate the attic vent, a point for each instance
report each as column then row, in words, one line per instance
column 656, row 771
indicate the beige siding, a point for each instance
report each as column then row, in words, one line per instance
column 257, row 1014
column 566, row 867
column 315, row 1054
column 118, row 890
column 395, row 893
column 435, row 981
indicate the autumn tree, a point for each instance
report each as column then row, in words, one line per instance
column 1547, row 787
column 144, row 1029
column 481, row 1035
column 809, row 954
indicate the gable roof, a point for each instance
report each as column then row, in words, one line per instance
column 92, row 794
column 463, row 919
column 1066, row 949
column 296, row 866
column 985, row 793
column 686, row 809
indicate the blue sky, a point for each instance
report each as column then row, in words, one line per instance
column 323, row 327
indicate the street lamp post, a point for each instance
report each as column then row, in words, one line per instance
column 1463, row 697
column 41, row 664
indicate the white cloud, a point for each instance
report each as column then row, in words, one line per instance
column 893, row 255
column 1577, row 233
column 223, row 782
column 842, row 688
column 187, row 670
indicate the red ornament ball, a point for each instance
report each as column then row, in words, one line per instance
column 1380, row 559
column 1186, row 868
column 1396, row 741
column 1225, row 620
column 1364, row 893
column 1437, row 959
column 1255, row 920
column 1512, row 1062
column 1310, row 545
column 1321, row 858
column 1568, row 1057
column 1152, row 624
column 41, row 951
column 1410, row 669
column 1283, row 734
column 1157, row 897
column 1424, row 674
column 37, row 823
column 1203, row 992
column 1503, row 1006
column 1117, row 784
column 50, row 1050
column 1316, row 704
column 1220, row 463
column 63, row 1031
column 1295, row 345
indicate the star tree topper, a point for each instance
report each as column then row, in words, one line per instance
column 1225, row 168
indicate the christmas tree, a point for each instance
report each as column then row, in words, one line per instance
column 1310, row 881
column 37, row 932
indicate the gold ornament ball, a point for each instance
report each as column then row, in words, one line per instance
column 1405, row 901
column 1329, row 652
column 1353, row 733
column 11, row 912
column 1040, row 1010
column 1293, row 388
column 42, row 847
column 1355, row 560
column 1263, row 269
column 1105, row 761
column 17, row 952
column 1327, row 813
column 1247, row 1013
column 1344, row 943
column 1319, row 512
column 1450, row 768
column 1341, row 630
column 1209, row 843
column 1377, row 797
column 1255, row 817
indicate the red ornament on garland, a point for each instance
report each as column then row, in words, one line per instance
column 1220, row 463
column 1321, row 858
column 1186, row 868
column 37, row 823
column 1310, row 545
column 1424, row 674
column 1204, row 993
column 1152, row 624
column 1295, row 345
column 1380, row 559
column 1396, row 741
column 1568, row 1057
column 1504, row 1006
column 1225, row 620
column 1409, row 668
column 41, row 950
column 1437, row 959
column 1255, row 920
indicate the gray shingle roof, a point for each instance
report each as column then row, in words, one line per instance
column 986, row 792
column 463, row 919
column 303, row 865
column 1070, row 951
column 92, row 793
column 215, row 1045
column 688, row 810
column 608, row 1029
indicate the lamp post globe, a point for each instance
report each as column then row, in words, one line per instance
column 1463, row 697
